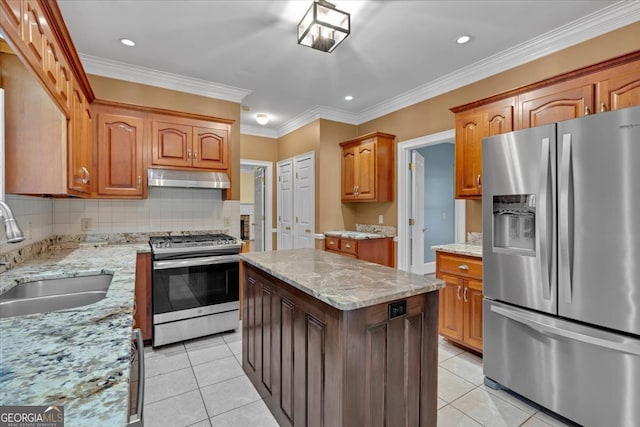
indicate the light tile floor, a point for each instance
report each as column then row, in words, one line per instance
column 201, row 383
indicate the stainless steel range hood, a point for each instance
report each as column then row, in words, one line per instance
column 187, row 179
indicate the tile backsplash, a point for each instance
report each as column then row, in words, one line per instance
column 166, row 209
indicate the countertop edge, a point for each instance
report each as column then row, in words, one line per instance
column 431, row 285
column 460, row 249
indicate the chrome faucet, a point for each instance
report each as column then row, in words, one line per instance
column 11, row 227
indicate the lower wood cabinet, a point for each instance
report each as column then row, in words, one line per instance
column 315, row 365
column 142, row 314
column 460, row 318
column 379, row 251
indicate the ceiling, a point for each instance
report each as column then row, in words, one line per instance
column 398, row 52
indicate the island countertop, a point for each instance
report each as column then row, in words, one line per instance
column 342, row 282
column 77, row 357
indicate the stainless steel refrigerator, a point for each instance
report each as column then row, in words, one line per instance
column 561, row 259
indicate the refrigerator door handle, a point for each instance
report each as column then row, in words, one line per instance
column 565, row 225
column 622, row 345
column 543, row 220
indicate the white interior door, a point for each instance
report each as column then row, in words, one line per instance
column 417, row 208
column 304, row 200
column 285, row 204
column 258, row 209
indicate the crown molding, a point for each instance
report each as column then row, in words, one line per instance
column 611, row 18
column 316, row 113
column 598, row 23
column 132, row 73
column 258, row 131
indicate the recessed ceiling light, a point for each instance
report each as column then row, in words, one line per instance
column 262, row 119
column 348, row 97
column 127, row 42
column 463, row 39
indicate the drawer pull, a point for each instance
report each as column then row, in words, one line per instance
column 348, row 246
column 464, row 267
column 331, row 243
column 464, row 296
column 458, row 293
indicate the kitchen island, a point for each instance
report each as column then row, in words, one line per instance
column 330, row 340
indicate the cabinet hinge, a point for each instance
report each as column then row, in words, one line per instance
column 412, row 166
column 412, row 221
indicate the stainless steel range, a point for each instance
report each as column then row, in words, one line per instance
column 195, row 286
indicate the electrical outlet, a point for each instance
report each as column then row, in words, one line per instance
column 85, row 224
column 29, row 232
column 380, row 219
column 227, row 221
column 444, row 216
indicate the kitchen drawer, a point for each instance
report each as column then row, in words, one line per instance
column 332, row 243
column 349, row 246
column 460, row 265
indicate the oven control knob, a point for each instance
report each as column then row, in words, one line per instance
column 167, row 245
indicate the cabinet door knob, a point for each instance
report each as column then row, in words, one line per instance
column 465, row 294
column 464, row 267
column 458, row 293
column 587, row 111
column 479, row 180
column 139, row 181
column 603, row 107
column 189, row 154
column 195, row 155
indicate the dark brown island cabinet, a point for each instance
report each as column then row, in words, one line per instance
column 334, row 341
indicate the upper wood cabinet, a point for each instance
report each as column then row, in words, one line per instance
column 618, row 88
column 368, row 168
column 555, row 103
column 605, row 86
column 471, row 127
column 80, row 156
column 58, row 143
column 120, row 147
column 188, row 143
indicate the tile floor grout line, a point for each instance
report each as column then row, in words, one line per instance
column 241, row 406
column 206, row 410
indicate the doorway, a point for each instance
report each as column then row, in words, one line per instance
column 256, row 204
column 420, row 227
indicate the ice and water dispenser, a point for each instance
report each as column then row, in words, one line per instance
column 514, row 224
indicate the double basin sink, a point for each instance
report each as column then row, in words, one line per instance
column 46, row 295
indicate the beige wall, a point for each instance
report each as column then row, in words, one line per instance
column 150, row 96
column 331, row 213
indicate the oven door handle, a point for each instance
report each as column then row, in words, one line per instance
column 195, row 262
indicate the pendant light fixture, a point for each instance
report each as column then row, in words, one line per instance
column 323, row 27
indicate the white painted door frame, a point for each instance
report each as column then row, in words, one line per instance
column 404, row 196
column 268, row 198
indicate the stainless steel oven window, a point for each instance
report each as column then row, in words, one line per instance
column 186, row 284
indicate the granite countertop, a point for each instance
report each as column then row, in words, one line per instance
column 342, row 282
column 77, row 357
column 461, row 249
column 357, row 235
